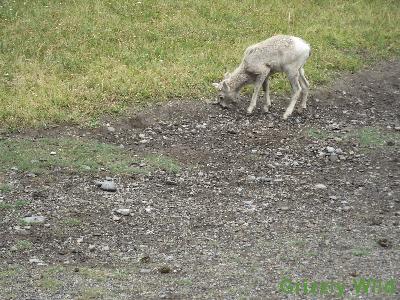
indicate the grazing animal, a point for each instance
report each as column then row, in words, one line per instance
column 280, row 53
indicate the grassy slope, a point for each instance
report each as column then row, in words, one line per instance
column 73, row 60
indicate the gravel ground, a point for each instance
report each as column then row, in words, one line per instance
column 256, row 201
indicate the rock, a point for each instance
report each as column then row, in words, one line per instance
column 333, row 157
column 264, row 179
column 390, row 143
column 339, row 151
column 285, row 208
column 15, row 169
column 53, row 153
column 105, row 248
column 123, row 211
column 320, row 186
column 164, row 270
column 251, row 178
column 35, row 260
column 92, row 248
column 111, row 129
column 346, row 208
column 385, row 243
column 34, row 220
column 144, row 271
column 116, row 218
column 330, row 149
column 108, row 186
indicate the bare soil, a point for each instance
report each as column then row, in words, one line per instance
column 244, row 212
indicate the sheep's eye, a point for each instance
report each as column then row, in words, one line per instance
column 221, row 97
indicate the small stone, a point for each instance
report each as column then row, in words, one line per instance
column 111, row 129
column 145, row 259
column 346, row 208
column 320, row 186
column 285, row 208
column 339, row 151
column 53, row 153
column 330, row 149
column 85, row 167
column 116, row 218
column 251, row 178
column 34, row 219
column 264, row 179
column 333, row 157
column 35, row 260
column 108, row 186
column 92, row 248
column 144, row 271
column 105, row 248
column 390, row 143
column 123, row 211
column 385, row 243
column 165, row 270
column 15, row 169
column 279, row 153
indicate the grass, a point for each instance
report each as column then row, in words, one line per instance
column 18, row 204
column 5, row 188
column 71, row 61
column 23, row 245
column 76, row 155
column 72, row 222
column 367, row 137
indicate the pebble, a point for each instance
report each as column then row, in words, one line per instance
column 34, row 219
column 111, row 129
column 116, row 218
column 123, row 211
column 330, row 149
column 320, row 186
column 53, row 153
column 108, row 186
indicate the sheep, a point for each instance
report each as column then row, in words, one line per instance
column 280, row 53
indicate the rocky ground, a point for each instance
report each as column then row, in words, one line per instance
column 236, row 205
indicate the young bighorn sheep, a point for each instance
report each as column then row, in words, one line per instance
column 280, row 53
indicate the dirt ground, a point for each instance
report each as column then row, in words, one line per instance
column 257, row 201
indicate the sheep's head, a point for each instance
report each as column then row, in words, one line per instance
column 226, row 96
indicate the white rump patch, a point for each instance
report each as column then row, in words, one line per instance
column 301, row 45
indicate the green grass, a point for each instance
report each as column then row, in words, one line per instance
column 18, row 204
column 367, row 137
column 5, row 188
column 70, row 61
column 72, row 222
column 23, row 245
column 76, row 155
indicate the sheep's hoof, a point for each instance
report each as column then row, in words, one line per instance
column 266, row 109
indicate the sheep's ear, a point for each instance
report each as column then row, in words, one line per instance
column 216, row 85
column 225, row 87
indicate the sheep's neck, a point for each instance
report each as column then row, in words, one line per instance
column 238, row 79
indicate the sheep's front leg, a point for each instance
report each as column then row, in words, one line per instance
column 267, row 99
column 294, row 82
column 257, row 86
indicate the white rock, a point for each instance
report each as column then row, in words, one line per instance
column 123, row 211
column 34, row 219
column 320, row 186
column 330, row 149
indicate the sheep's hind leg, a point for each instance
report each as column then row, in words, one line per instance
column 296, row 88
column 267, row 99
column 257, row 86
column 304, row 90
